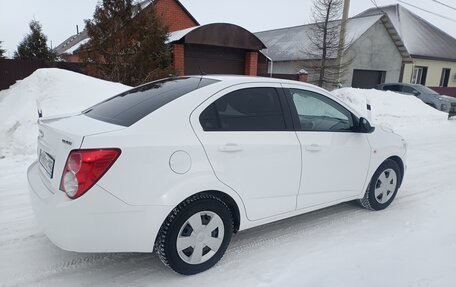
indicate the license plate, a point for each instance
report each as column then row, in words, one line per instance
column 47, row 162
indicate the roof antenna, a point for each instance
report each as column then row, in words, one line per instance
column 201, row 75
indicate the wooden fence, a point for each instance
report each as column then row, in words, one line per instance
column 14, row 70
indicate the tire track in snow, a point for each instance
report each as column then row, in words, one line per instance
column 245, row 243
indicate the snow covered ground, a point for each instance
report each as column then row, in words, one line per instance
column 412, row 243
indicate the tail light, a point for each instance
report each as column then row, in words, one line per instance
column 84, row 168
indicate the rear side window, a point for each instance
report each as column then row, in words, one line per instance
column 131, row 106
column 252, row 109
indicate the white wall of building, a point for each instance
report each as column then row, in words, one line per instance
column 434, row 72
column 374, row 50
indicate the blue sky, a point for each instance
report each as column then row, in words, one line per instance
column 59, row 18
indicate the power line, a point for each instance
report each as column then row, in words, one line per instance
column 444, row 4
column 430, row 12
column 376, row 6
column 374, row 3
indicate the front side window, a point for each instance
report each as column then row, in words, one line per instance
column 409, row 90
column 251, row 109
column 319, row 113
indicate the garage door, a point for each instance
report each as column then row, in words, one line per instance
column 213, row 60
column 367, row 79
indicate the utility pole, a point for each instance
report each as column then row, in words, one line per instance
column 343, row 29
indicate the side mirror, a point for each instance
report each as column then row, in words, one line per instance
column 416, row 93
column 365, row 127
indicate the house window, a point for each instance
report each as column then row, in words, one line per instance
column 419, row 75
column 445, row 77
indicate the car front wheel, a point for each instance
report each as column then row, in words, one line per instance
column 195, row 235
column 383, row 186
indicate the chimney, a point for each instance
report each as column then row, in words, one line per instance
column 77, row 29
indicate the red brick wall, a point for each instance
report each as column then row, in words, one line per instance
column 178, row 59
column 251, row 63
column 173, row 16
column 303, row 77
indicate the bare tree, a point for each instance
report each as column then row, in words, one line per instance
column 324, row 45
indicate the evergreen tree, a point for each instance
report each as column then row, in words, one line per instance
column 126, row 44
column 2, row 51
column 34, row 46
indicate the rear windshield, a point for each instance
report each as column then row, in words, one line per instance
column 131, row 106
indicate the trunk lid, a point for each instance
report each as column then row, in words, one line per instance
column 57, row 137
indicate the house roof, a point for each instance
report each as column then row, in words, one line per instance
column 218, row 34
column 293, row 43
column 74, row 42
column 421, row 38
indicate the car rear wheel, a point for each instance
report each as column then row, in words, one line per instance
column 383, row 186
column 195, row 235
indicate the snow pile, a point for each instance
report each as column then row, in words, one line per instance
column 391, row 109
column 57, row 92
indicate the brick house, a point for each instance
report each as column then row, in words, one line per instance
column 173, row 14
column 218, row 48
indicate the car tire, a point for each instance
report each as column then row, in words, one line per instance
column 383, row 186
column 195, row 235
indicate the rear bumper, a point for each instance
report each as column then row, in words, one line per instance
column 95, row 222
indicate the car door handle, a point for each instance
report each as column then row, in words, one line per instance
column 230, row 147
column 313, row 147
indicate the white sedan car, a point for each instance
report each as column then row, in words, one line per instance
column 178, row 165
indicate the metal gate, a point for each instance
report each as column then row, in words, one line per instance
column 367, row 79
column 213, row 60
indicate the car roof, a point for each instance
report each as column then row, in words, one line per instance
column 245, row 79
column 399, row 84
column 237, row 79
column 240, row 79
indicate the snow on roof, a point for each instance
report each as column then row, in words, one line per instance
column 288, row 44
column 73, row 41
column 177, row 35
column 77, row 46
column 421, row 38
column 145, row 3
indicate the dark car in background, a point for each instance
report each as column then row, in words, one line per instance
column 443, row 103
